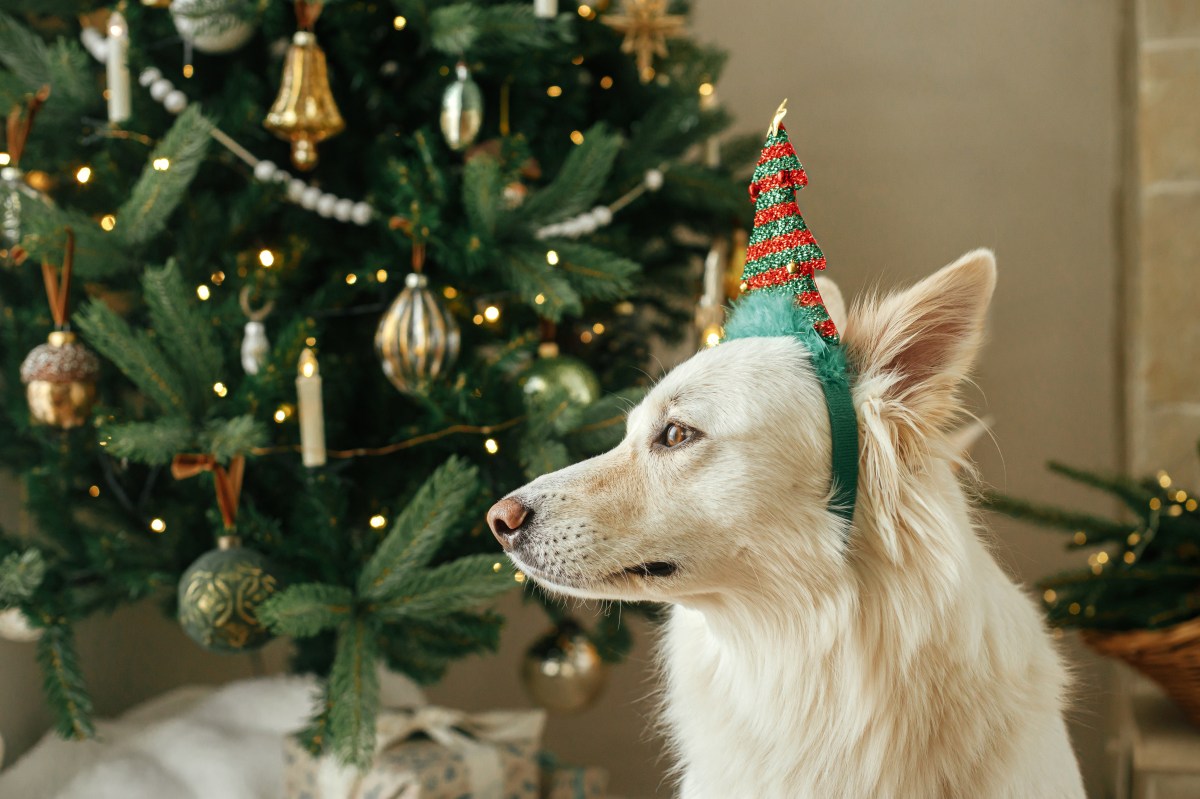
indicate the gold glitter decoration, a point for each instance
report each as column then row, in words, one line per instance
column 646, row 25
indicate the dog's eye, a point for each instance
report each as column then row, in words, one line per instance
column 674, row 434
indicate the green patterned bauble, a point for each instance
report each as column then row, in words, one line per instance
column 562, row 374
column 219, row 596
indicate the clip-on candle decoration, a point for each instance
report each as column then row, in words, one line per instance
column 312, row 412
column 116, row 62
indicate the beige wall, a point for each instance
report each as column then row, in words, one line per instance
column 928, row 128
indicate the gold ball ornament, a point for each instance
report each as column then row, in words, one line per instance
column 15, row 626
column 60, row 381
column 417, row 339
column 563, row 671
column 219, row 596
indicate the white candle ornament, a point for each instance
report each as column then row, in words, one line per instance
column 312, row 413
column 545, row 9
column 116, row 57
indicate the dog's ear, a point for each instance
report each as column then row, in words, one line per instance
column 914, row 347
column 835, row 304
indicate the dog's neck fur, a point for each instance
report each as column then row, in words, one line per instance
column 804, row 694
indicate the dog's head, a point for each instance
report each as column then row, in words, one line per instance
column 723, row 478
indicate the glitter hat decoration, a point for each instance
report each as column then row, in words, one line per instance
column 780, row 298
column 783, row 255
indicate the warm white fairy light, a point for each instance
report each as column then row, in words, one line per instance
column 491, row 446
column 449, row 292
column 220, row 389
column 83, row 174
column 378, row 521
column 552, row 257
column 540, row 299
column 108, row 222
column 491, row 313
column 706, row 89
column 202, row 292
column 5, row 159
column 94, row 491
column 266, row 258
column 158, row 525
column 496, row 567
column 280, row 415
column 577, row 136
column 1050, row 595
column 381, row 275
column 351, row 279
column 477, row 319
column 161, row 164
column 598, row 328
column 554, row 91
column 606, row 82
column 399, row 22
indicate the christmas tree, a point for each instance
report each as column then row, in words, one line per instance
column 291, row 297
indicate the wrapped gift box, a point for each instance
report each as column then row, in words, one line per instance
column 560, row 781
column 430, row 753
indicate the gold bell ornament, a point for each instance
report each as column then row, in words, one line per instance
column 304, row 112
column 60, row 375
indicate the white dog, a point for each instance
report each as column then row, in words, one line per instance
column 900, row 661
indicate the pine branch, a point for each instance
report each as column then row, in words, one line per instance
column 612, row 638
column 601, row 425
column 540, row 456
column 419, row 530
column 97, row 253
column 1097, row 527
column 154, row 198
column 508, row 29
column 1125, row 489
column 63, row 66
column 20, row 575
column 578, row 184
column 135, row 354
column 304, row 610
column 227, row 438
column 457, row 586
column 184, row 334
column 354, row 694
column 155, row 443
column 63, row 683
column 596, row 273
column 532, row 277
column 483, row 193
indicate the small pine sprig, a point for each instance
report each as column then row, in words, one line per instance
column 20, row 575
column 395, row 594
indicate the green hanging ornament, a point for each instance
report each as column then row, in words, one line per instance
column 220, row 593
column 553, row 373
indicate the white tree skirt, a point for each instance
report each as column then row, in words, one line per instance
column 191, row 743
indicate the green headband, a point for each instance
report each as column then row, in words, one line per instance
column 781, row 298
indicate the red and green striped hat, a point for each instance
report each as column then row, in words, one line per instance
column 780, row 298
column 783, row 255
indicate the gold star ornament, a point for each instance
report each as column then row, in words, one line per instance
column 646, row 25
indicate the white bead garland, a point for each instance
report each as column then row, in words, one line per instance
column 361, row 212
column 601, row 215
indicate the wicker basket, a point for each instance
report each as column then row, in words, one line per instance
column 1170, row 657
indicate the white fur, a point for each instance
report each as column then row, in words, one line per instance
column 897, row 661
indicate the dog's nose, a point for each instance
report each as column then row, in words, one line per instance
column 505, row 519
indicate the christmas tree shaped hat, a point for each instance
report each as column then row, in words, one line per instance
column 780, row 298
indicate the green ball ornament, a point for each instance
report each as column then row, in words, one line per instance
column 219, row 596
column 563, row 374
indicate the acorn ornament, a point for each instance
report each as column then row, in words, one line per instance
column 462, row 109
column 60, row 375
column 219, row 597
column 563, row 671
column 417, row 339
column 304, row 112
column 60, row 381
column 212, row 26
